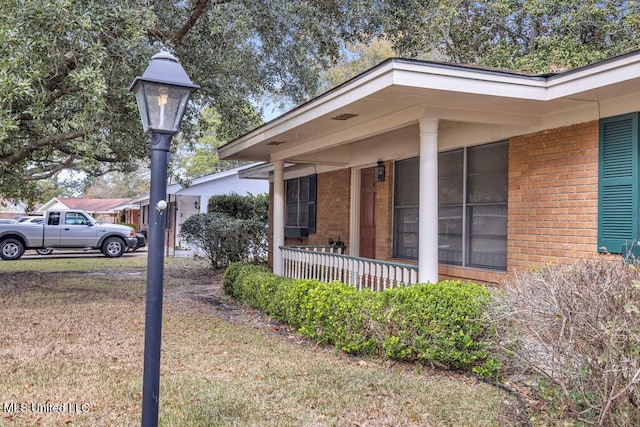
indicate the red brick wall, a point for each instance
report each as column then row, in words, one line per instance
column 384, row 215
column 332, row 218
column 553, row 196
column 332, row 214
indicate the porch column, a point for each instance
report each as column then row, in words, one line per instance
column 428, row 210
column 278, row 215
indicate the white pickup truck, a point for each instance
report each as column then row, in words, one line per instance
column 65, row 229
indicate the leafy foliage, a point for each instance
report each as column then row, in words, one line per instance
column 526, row 35
column 442, row 324
column 199, row 157
column 255, row 207
column 234, row 230
column 66, row 66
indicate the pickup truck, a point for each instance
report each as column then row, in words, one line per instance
column 65, row 229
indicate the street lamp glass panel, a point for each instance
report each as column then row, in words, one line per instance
column 161, row 105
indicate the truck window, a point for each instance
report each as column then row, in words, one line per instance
column 54, row 218
column 75, row 218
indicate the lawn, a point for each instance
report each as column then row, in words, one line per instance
column 71, row 351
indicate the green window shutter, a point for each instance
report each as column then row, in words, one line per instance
column 618, row 183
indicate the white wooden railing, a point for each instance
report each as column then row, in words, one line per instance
column 326, row 264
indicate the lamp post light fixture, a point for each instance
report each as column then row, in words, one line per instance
column 162, row 93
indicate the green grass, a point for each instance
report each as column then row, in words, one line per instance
column 74, row 333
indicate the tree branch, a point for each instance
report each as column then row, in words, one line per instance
column 177, row 36
column 70, row 152
column 25, row 151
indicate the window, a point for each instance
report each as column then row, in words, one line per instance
column 75, row 218
column 54, row 218
column 300, row 206
column 472, row 207
column 618, row 183
column 405, row 213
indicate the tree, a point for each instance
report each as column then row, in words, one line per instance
column 199, row 157
column 526, row 35
column 115, row 185
column 357, row 58
column 65, row 69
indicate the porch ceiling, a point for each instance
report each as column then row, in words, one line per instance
column 397, row 93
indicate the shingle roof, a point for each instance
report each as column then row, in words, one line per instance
column 92, row 205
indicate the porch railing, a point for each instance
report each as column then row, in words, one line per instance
column 325, row 264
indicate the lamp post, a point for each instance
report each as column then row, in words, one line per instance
column 162, row 93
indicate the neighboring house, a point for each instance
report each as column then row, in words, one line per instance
column 193, row 198
column 105, row 210
column 486, row 172
column 11, row 210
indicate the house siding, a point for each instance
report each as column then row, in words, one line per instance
column 332, row 208
column 553, row 196
column 384, row 215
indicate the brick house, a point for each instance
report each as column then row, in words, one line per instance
column 455, row 171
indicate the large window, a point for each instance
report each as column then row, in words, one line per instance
column 300, row 206
column 472, row 207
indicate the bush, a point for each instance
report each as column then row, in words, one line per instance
column 577, row 329
column 223, row 240
column 241, row 207
column 442, row 324
column 234, row 230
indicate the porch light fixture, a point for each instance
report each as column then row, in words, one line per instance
column 162, row 93
column 196, row 205
column 380, row 171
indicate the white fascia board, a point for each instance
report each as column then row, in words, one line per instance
column 594, row 77
column 363, row 130
column 478, row 82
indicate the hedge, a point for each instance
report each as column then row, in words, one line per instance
column 442, row 324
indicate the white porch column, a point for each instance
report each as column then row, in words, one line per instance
column 428, row 213
column 278, row 215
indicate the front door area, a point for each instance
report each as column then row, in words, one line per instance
column 368, row 213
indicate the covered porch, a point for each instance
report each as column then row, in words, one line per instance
column 439, row 123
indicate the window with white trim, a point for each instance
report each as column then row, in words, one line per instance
column 300, row 206
column 472, row 207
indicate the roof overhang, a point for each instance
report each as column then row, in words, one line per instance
column 398, row 92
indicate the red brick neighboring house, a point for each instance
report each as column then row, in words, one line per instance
column 485, row 171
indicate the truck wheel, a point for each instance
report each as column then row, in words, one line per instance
column 113, row 247
column 11, row 249
column 44, row 251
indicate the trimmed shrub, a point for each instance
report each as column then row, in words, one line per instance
column 443, row 324
column 440, row 323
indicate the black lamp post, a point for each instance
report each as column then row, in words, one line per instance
column 162, row 93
